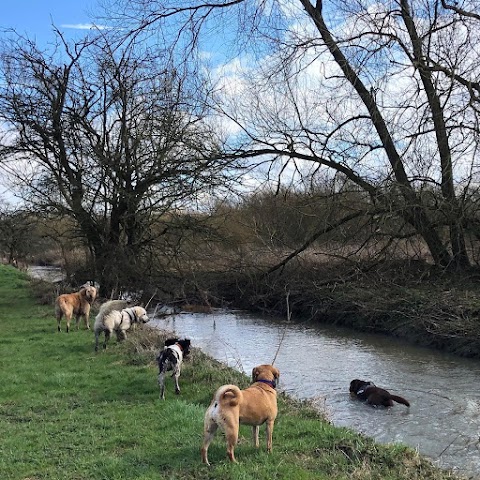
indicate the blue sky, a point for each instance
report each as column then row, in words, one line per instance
column 35, row 18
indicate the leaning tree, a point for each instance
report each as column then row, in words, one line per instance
column 384, row 95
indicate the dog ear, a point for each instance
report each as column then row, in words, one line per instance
column 254, row 374
column 354, row 385
column 276, row 372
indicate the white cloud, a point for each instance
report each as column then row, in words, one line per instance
column 86, row 26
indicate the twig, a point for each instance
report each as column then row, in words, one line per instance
column 289, row 316
column 151, row 298
column 287, row 299
column 155, row 311
column 448, row 446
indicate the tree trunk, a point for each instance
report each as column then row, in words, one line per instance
column 454, row 212
column 413, row 211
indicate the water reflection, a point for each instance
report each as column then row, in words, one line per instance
column 318, row 362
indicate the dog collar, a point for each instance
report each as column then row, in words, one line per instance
column 273, row 384
column 365, row 388
column 132, row 316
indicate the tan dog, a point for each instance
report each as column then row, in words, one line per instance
column 77, row 304
column 118, row 322
column 254, row 406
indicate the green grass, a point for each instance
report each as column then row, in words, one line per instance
column 68, row 413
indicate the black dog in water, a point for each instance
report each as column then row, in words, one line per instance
column 171, row 358
column 374, row 395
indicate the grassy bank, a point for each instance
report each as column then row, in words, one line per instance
column 67, row 413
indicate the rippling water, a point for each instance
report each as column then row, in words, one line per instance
column 318, row 362
column 49, row 274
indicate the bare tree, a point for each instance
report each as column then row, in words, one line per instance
column 17, row 235
column 112, row 137
column 385, row 94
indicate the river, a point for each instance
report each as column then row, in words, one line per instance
column 318, row 362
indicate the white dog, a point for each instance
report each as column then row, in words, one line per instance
column 110, row 306
column 118, row 322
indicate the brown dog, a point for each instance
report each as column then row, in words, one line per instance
column 254, row 406
column 77, row 304
column 374, row 395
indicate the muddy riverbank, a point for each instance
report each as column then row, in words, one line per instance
column 417, row 304
column 423, row 307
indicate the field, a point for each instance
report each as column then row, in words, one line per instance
column 68, row 413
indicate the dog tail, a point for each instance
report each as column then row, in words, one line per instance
column 110, row 306
column 401, row 400
column 59, row 302
column 229, row 395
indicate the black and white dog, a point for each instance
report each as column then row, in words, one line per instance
column 171, row 358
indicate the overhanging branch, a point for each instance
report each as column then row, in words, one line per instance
column 313, row 238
